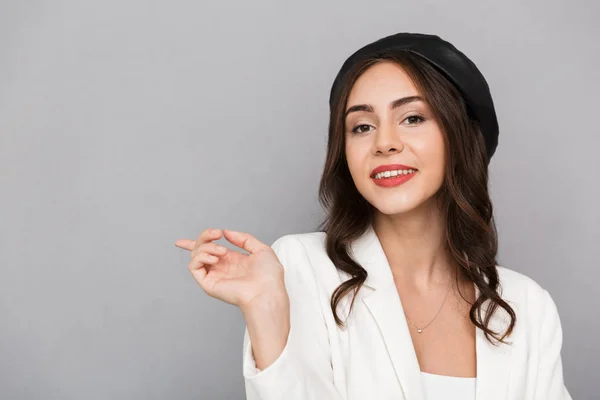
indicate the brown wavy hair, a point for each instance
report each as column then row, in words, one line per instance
column 471, row 235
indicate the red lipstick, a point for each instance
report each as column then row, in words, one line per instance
column 395, row 180
column 389, row 167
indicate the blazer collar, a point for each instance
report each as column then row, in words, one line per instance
column 382, row 299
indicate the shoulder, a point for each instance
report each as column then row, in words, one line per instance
column 304, row 254
column 312, row 240
column 517, row 284
column 300, row 250
column 533, row 303
column 296, row 250
column 518, row 287
column 310, row 276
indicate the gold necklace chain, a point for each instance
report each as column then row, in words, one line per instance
column 420, row 330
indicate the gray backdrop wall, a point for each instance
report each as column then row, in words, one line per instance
column 126, row 125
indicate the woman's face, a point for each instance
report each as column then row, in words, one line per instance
column 379, row 133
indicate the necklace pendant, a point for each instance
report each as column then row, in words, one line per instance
column 419, row 330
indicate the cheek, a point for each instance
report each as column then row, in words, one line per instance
column 430, row 152
column 355, row 157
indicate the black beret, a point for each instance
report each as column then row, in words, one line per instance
column 447, row 59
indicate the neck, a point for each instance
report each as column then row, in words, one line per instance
column 415, row 245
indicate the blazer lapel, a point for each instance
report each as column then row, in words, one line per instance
column 382, row 299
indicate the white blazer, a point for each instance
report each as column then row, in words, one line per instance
column 374, row 358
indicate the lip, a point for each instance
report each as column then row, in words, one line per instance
column 390, row 167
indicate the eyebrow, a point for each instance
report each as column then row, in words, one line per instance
column 394, row 104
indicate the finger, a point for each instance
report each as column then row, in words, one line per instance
column 186, row 244
column 211, row 248
column 215, row 249
column 205, row 235
column 201, row 260
column 208, row 235
column 245, row 240
column 199, row 267
column 200, row 275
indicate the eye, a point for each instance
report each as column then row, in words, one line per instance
column 418, row 117
column 359, row 126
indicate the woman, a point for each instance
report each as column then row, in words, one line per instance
column 398, row 295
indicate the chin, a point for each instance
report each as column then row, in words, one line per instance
column 400, row 202
column 396, row 210
column 391, row 206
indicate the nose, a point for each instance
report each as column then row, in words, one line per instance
column 387, row 140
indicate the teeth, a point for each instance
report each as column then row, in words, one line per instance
column 388, row 174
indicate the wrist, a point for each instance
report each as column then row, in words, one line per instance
column 267, row 304
column 268, row 325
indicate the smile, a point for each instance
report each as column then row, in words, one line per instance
column 393, row 178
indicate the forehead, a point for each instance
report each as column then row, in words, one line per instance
column 381, row 83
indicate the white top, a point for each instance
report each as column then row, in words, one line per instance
column 441, row 387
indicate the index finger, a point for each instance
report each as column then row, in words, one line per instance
column 205, row 236
column 245, row 240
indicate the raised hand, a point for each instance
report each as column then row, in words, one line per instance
column 236, row 278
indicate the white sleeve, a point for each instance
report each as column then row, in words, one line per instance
column 550, row 384
column 303, row 370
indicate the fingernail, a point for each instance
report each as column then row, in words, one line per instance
column 221, row 248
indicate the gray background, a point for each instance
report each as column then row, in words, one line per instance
column 126, row 125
